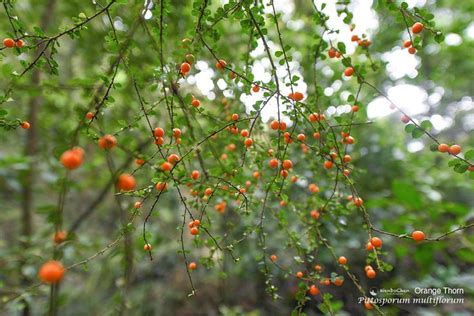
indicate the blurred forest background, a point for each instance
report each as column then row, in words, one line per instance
column 404, row 184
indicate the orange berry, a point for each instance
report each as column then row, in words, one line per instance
column 273, row 258
column 51, row 272
column 176, row 132
column 417, row 27
column 358, row 202
column 248, row 142
column 173, row 158
column 412, row 50
column 349, row 71
column 407, row 43
column 147, row 247
column 354, row 38
column 140, row 161
column 346, row 172
column 454, row 149
column 274, row 125
column 368, row 305
column 194, row 231
column 192, row 266
column 208, row 192
column 299, row 274
column 244, row 133
column 126, row 182
column 369, row 246
column 8, row 42
column 371, row 274
column 89, row 115
column 273, row 163
column 235, row 117
column 347, row 158
column 195, row 174
column 328, row 164
column 161, row 186
column 137, row 205
column 355, row 108
column 19, row 43
column 418, row 235
column 71, row 159
column 185, row 68
column 166, row 166
column 25, row 125
column 338, row 282
column 287, row 164
column 256, row 174
column 313, row 290
column 314, row 214
column 221, row 64
column 294, row 179
column 282, row 126
column 443, row 148
column 284, row 173
column 159, row 141
column 313, row 188
column 159, row 132
column 332, row 52
column 301, row 137
column 317, row 135
column 255, row 88
column 196, row 223
column 318, row 268
column 342, row 260
column 376, row 242
column 107, row 142
column 195, row 102
column 60, row 236
column 298, row 96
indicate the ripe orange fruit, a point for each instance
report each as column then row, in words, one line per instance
column 326, row 282
column 355, row 108
column 60, row 236
column 235, row 117
column 51, row 272
column 342, row 260
column 454, row 149
column 166, row 166
column 417, row 27
column 89, row 115
column 274, row 125
column 195, row 102
column 368, row 305
column 313, row 290
column 314, row 214
column 297, row 96
column 25, row 125
column 313, row 188
column 418, row 235
column 192, row 266
column 358, row 202
column 349, row 71
column 248, row 142
column 313, row 117
column 137, row 205
column 376, row 242
column 195, row 175
column 71, row 159
column 273, row 163
column 159, row 132
column 126, row 182
column 221, row 64
column 19, row 43
column 370, row 273
column 299, row 274
column 8, row 42
column 256, row 174
column 301, row 137
column 159, row 141
column 256, row 88
column 282, row 126
column 332, row 52
column 194, row 231
column 147, row 247
column 140, row 161
column 244, row 133
column 161, row 186
column 208, row 192
column 443, row 148
column 317, row 135
column 173, row 158
column 107, row 142
column 338, row 282
column 369, row 246
column 176, row 132
column 284, row 174
column 273, row 258
column 354, row 38
column 287, row 164
column 412, row 50
column 328, row 164
column 407, row 43
column 184, row 68
column 318, row 268
column 347, row 158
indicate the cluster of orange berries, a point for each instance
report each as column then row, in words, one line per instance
column 453, row 149
column 159, row 134
column 416, row 28
column 10, row 43
column 364, row 42
column 333, row 53
column 194, row 227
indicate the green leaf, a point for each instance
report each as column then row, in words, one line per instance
column 417, row 132
column 407, row 193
